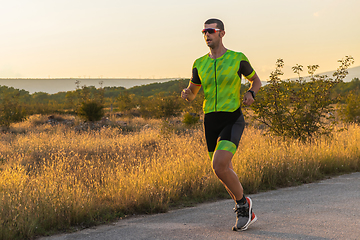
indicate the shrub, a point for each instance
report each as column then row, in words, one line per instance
column 161, row 106
column 350, row 112
column 126, row 101
column 91, row 111
column 11, row 110
column 190, row 119
column 300, row 109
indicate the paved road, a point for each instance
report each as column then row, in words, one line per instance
column 328, row 209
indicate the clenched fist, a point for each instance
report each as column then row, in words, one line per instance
column 187, row 94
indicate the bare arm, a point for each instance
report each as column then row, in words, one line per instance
column 255, row 85
column 190, row 92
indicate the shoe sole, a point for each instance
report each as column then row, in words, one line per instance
column 234, row 228
column 251, row 222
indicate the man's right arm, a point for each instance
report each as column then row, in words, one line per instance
column 190, row 92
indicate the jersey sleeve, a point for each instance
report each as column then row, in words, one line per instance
column 195, row 79
column 246, row 68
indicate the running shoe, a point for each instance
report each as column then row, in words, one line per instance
column 244, row 215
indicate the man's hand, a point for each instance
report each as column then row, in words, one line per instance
column 248, row 99
column 190, row 92
column 187, row 94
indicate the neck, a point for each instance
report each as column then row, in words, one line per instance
column 217, row 52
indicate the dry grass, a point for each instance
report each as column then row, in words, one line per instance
column 54, row 178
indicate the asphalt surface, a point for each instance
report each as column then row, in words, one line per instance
column 329, row 209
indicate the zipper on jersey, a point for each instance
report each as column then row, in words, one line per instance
column 215, row 86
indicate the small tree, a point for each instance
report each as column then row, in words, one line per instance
column 91, row 110
column 71, row 100
column 298, row 109
column 126, row 101
column 350, row 111
column 161, row 106
column 11, row 110
column 90, row 101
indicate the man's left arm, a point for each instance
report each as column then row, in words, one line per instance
column 255, row 85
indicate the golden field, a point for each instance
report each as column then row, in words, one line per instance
column 55, row 178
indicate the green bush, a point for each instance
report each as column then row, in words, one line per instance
column 91, row 111
column 298, row 109
column 161, row 106
column 126, row 101
column 11, row 110
column 350, row 112
column 190, row 119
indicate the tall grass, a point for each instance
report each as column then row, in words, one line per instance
column 53, row 178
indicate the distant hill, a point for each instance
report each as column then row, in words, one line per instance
column 143, row 87
column 53, row 85
column 155, row 88
column 146, row 90
column 354, row 72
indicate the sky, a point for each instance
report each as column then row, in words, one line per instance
column 162, row 38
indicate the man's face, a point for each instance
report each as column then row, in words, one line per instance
column 212, row 39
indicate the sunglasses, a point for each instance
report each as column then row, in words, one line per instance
column 210, row 30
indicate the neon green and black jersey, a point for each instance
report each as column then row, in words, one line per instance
column 221, row 80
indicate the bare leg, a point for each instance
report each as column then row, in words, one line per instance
column 227, row 189
column 223, row 169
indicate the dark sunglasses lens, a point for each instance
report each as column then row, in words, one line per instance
column 208, row 30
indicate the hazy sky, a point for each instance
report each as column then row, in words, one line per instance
column 162, row 38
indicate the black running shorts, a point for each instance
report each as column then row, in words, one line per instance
column 223, row 130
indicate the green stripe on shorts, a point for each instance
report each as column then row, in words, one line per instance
column 226, row 145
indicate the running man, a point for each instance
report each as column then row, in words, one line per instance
column 219, row 73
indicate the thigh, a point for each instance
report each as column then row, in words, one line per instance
column 211, row 136
column 233, row 131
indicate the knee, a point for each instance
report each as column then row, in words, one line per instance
column 219, row 167
column 221, row 161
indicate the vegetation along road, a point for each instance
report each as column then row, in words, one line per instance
column 329, row 209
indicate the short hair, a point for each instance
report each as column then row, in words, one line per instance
column 218, row 22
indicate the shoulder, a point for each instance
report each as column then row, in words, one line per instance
column 237, row 54
column 201, row 59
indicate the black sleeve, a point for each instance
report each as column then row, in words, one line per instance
column 245, row 68
column 195, row 77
